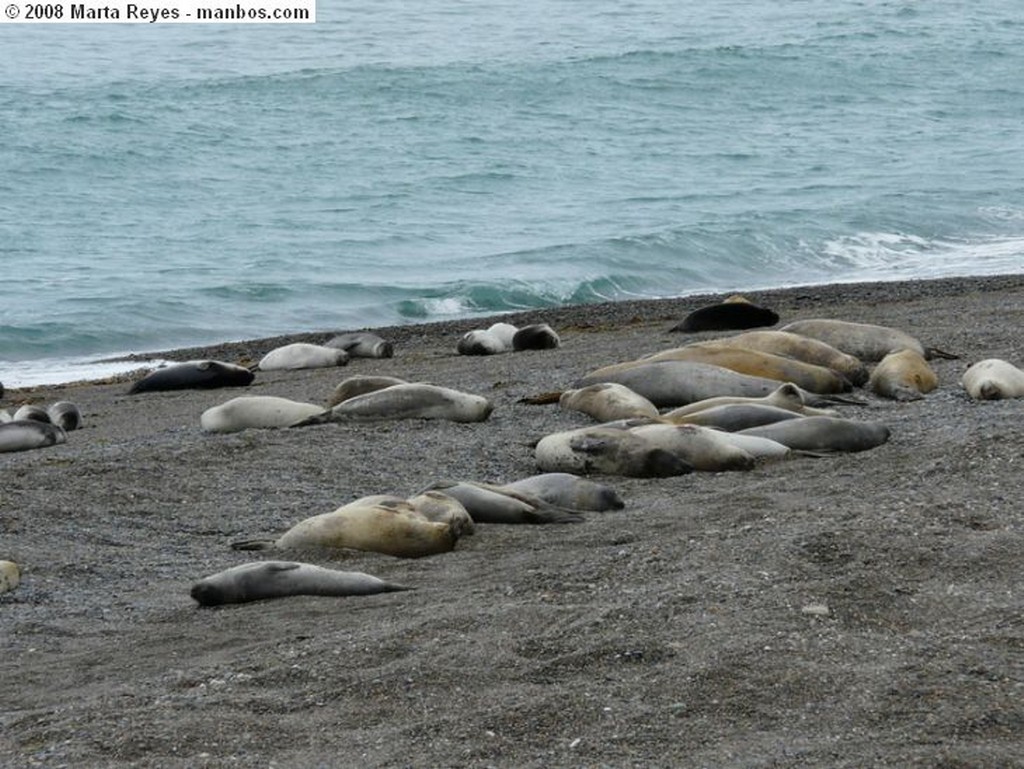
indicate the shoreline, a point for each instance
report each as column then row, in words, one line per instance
column 129, row 365
column 846, row 611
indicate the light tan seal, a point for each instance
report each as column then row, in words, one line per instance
column 802, row 348
column 993, row 379
column 393, row 528
column 10, row 576
column 280, row 579
column 607, row 401
column 255, row 411
column 903, row 375
column 702, row 448
column 866, row 341
column 359, row 385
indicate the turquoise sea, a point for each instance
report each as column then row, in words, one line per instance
column 171, row 185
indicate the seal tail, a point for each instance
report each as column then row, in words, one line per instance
column 253, row 544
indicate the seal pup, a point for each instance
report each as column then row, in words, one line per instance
column 487, row 503
column 569, row 491
column 786, row 396
column 866, row 341
column 357, row 385
column 607, row 450
column 31, row 412
column 823, row 434
column 194, row 375
column 10, row 576
column 734, row 313
column 536, row 336
column 280, row 579
column 65, row 415
column 5, row 416
column 362, row 344
column 255, row 411
column 27, row 434
column 300, row 355
column 607, row 401
column 803, row 348
column 993, row 379
column 415, row 400
column 390, row 527
column 480, row 342
column 671, row 383
column 904, row 376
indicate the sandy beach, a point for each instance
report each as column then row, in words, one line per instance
column 858, row 610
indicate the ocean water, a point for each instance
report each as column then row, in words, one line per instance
column 397, row 162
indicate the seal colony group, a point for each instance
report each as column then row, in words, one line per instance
column 725, row 404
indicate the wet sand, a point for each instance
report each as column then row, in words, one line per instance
column 846, row 611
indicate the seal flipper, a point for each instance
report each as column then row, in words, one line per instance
column 253, row 544
column 935, row 352
column 317, row 419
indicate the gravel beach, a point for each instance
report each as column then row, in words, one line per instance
column 858, row 610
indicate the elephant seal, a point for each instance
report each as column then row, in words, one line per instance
column 10, row 576
column 568, row 491
column 493, row 504
column 903, row 375
column 809, row 376
column 5, row 416
column 390, row 527
column 702, row 448
column 734, row 416
column 31, row 413
column 194, row 375
column 362, row 344
column 736, row 312
column 802, row 348
column 302, row 355
column 357, row 385
column 536, row 336
column 480, row 342
column 607, row 450
column 255, row 411
column 993, row 379
column 759, row 448
column 24, row 435
column 823, row 434
column 415, row 400
column 65, row 414
column 607, row 401
column 862, row 340
column 671, row 383
column 280, row 579
column 786, row 396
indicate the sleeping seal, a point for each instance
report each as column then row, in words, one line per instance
column 569, row 491
column 302, row 355
column 255, row 411
column 607, row 450
column 865, row 341
column 607, row 401
column 414, row 400
column 493, row 504
column 993, row 379
column 390, row 527
column 362, row 344
column 536, row 336
column 24, row 435
column 279, row 579
column 736, row 312
column 65, row 414
column 194, row 375
column 357, row 385
column 823, row 434
column 31, row 413
column 903, row 375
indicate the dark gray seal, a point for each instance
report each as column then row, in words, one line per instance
column 280, row 579
column 65, row 414
column 569, row 491
column 194, row 375
column 823, row 434
column 734, row 314
column 536, row 336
